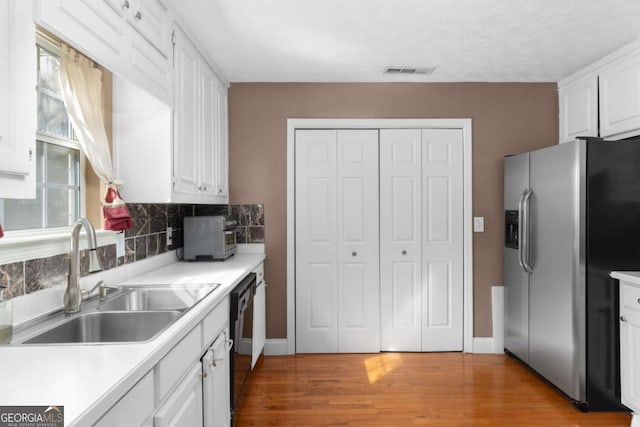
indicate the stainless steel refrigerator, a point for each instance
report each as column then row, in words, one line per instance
column 572, row 214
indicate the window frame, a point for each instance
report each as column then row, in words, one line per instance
column 20, row 245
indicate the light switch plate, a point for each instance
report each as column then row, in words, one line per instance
column 169, row 236
column 119, row 244
column 478, row 224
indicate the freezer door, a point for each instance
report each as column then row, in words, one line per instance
column 556, row 286
column 516, row 279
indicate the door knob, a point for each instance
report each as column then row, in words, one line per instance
column 404, row 252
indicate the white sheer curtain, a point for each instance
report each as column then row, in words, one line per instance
column 81, row 87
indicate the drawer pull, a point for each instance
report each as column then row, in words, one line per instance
column 623, row 319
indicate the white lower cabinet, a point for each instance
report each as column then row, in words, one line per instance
column 259, row 316
column 630, row 348
column 215, row 383
column 184, row 406
column 133, row 408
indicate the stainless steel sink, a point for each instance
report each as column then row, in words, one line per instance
column 133, row 313
column 107, row 327
column 157, row 298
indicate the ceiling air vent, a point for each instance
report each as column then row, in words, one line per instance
column 409, row 70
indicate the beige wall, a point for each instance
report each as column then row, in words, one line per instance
column 508, row 118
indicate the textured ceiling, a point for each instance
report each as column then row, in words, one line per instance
column 354, row 40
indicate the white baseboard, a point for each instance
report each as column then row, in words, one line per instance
column 279, row 346
column 483, row 345
column 276, row 347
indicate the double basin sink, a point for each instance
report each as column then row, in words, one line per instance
column 130, row 314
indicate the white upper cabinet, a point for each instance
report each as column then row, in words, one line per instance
column 186, row 155
column 603, row 99
column 579, row 108
column 620, row 97
column 132, row 38
column 200, row 128
column 18, row 107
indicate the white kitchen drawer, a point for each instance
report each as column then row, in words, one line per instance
column 134, row 407
column 173, row 365
column 629, row 298
column 216, row 321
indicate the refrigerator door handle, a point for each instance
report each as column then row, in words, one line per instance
column 526, row 253
column 521, row 230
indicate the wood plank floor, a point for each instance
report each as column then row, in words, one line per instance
column 406, row 389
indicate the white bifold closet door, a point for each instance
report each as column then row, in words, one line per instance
column 421, row 239
column 337, row 241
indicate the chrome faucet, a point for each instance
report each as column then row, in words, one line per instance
column 73, row 294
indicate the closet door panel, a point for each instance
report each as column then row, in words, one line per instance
column 358, row 241
column 316, row 242
column 442, row 240
column 400, row 237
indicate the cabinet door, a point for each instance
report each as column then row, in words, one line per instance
column 134, row 408
column 186, row 132
column 18, row 107
column 579, row 108
column 442, row 240
column 316, row 242
column 222, row 140
column 358, row 241
column 259, row 323
column 208, row 117
column 630, row 346
column 151, row 20
column 620, row 98
column 96, row 27
column 215, row 365
column 184, row 406
column 400, row 239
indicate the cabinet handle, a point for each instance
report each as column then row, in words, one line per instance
column 125, row 5
column 404, row 252
column 638, row 298
column 623, row 319
column 354, row 253
column 138, row 16
column 205, row 373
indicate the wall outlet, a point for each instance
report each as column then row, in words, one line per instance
column 169, row 236
column 478, row 224
column 119, row 244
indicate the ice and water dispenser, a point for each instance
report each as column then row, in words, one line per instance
column 511, row 229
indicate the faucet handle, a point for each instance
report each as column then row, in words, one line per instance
column 102, row 287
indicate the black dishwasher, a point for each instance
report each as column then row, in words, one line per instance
column 241, row 331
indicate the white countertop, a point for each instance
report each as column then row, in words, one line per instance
column 88, row 379
column 630, row 277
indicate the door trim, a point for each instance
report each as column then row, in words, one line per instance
column 464, row 124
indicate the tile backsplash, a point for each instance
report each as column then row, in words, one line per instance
column 250, row 222
column 147, row 237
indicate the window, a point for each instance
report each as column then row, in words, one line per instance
column 58, row 160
